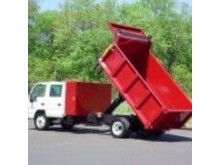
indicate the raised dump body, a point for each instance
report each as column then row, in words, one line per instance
column 153, row 95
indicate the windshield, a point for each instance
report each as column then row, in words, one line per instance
column 38, row 91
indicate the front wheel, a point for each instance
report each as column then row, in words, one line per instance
column 41, row 122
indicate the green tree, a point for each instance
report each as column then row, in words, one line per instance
column 65, row 44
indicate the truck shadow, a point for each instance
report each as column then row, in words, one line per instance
column 167, row 137
column 78, row 130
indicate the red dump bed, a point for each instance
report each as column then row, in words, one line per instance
column 85, row 98
column 154, row 96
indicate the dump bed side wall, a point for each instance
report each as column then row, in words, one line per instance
column 153, row 110
column 151, row 92
column 165, row 87
column 171, row 119
column 132, row 87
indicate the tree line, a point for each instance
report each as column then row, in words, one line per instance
column 64, row 44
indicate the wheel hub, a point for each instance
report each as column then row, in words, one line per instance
column 117, row 128
column 40, row 122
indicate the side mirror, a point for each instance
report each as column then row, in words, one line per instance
column 32, row 98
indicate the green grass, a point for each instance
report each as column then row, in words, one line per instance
column 123, row 109
column 189, row 123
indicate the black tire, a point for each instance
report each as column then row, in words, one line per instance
column 41, row 122
column 120, row 128
column 66, row 126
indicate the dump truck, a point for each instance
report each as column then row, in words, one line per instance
column 157, row 101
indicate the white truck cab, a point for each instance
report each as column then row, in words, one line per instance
column 46, row 99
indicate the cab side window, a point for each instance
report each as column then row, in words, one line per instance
column 56, row 90
column 38, row 91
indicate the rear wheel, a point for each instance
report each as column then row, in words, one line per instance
column 41, row 122
column 120, row 128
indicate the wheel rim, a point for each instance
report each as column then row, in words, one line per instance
column 40, row 122
column 117, row 128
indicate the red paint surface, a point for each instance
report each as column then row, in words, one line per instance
column 153, row 95
column 85, row 98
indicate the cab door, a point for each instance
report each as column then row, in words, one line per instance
column 37, row 99
column 55, row 100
